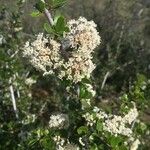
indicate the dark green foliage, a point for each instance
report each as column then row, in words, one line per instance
column 40, row 6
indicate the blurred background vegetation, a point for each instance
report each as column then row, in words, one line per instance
column 123, row 60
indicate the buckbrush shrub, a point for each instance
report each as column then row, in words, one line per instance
column 64, row 51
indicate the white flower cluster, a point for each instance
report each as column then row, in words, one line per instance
column 64, row 144
column 83, row 38
column 117, row 125
column 45, row 54
column 90, row 119
column 77, row 68
column 83, row 35
column 58, row 121
column 113, row 123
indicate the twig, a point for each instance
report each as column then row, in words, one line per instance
column 13, row 99
column 104, row 81
column 49, row 16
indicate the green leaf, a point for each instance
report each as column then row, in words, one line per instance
column 40, row 6
column 99, row 125
column 114, row 141
column 84, row 93
column 82, row 130
column 56, row 17
column 35, row 13
column 60, row 25
column 48, row 28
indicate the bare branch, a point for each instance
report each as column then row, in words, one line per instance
column 49, row 16
column 13, row 98
column 105, row 78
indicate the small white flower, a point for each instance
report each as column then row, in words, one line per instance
column 89, row 118
column 90, row 89
column 17, row 29
column 58, row 121
column 2, row 39
column 131, row 116
column 30, row 81
column 96, row 109
column 80, row 141
column 59, row 142
column 135, row 145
